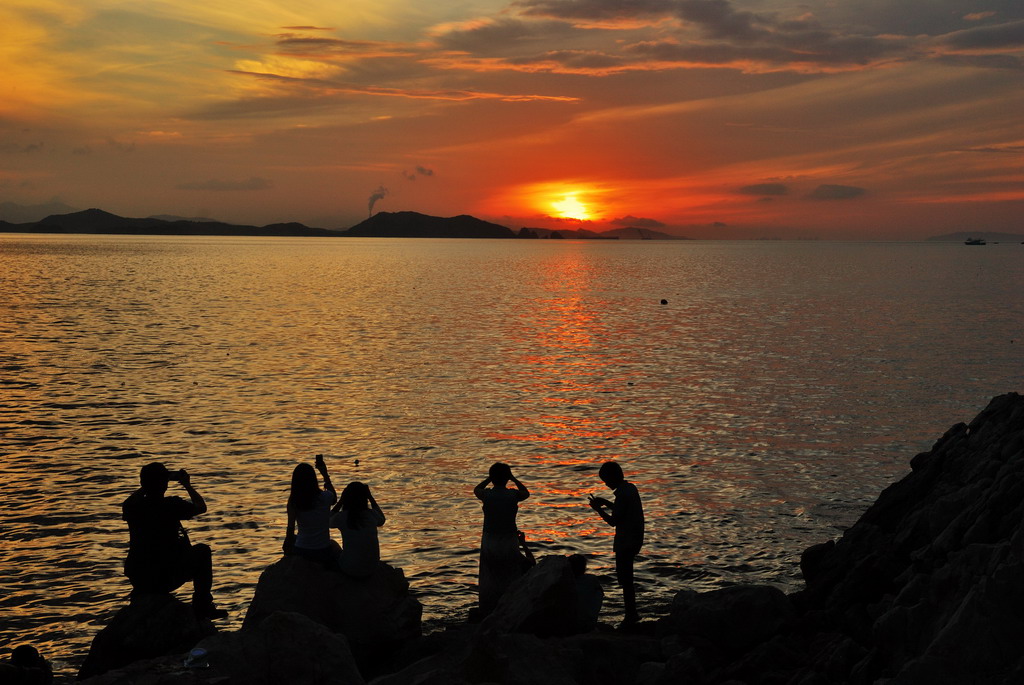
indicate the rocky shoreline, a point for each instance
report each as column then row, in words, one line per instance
column 926, row 587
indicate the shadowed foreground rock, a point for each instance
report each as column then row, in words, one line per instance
column 541, row 602
column 150, row 626
column 284, row 648
column 928, row 586
column 377, row 614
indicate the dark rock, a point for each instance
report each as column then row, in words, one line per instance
column 923, row 581
column 519, row 659
column 735, row 618
column 150, row 626
column 542, row 602
column 612, row 657
column 684, row 667
column 284, row 648
column 376, row 614
column 811, row 559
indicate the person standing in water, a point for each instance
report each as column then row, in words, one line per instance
column 500, row 560
column 626, row 514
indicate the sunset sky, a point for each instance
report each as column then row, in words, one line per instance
column 708, row 118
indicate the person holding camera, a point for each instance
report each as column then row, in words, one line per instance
column 161, row 558
column 357, row 516
column 501, row 562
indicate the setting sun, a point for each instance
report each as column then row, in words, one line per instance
column 570, row 207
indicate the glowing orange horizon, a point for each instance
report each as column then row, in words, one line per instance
column 571, row 207
column 567, row 199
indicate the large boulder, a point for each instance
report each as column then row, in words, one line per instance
column 481, row 656
column 374, row 613
column 542, row 602
column 733, row 619
column 519, row 659
column 284, row 648
column 150, row 626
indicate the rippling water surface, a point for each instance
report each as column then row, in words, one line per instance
column 759, row 411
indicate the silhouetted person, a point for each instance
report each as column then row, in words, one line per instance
column 160, row 556
column 626, row 514
column 25, row 667
column 309, row 512
column 500, row 560
column 358, row 516
column 589, row 594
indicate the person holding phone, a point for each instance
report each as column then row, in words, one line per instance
column 626, row 515
column 161, row 558
column 309, row 512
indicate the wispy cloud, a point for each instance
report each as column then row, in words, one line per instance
column 773, row 189
column 828, row 191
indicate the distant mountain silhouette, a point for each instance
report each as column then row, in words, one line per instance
column 990, row 236
column 172, row 217
column 633, row 233
column 99, row 221
column 380, row 225
column 416, row 225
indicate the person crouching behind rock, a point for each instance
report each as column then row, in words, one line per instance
column 589, row 594
column 160, row 556
column 309, row 513
column 358, row 516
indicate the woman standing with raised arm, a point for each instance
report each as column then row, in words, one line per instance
column 309, row 511
column 500, row 560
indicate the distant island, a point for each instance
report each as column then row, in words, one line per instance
column 989, row 236
column 380, row 225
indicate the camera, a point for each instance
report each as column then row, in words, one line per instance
column 175, row 476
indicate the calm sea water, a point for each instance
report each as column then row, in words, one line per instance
column 759, row 411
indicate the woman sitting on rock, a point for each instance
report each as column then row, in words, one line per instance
column 309, row 510
column 358, row 516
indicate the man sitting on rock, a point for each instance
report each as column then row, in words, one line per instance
column 160, row 557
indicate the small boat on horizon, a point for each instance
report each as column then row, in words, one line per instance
column 974, row 241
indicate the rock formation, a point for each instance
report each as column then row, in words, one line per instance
column 542, row 602
column 150, row 626
column 376, row 614
column 284, row 648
